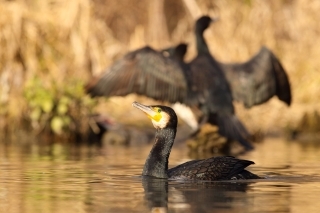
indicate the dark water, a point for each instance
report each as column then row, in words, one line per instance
column 62, row 179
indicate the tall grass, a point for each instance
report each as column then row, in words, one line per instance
column 62, row 42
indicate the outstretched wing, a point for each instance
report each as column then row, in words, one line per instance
column 259, row 79
column 144, row 72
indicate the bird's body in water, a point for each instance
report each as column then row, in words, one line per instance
column 165, row 121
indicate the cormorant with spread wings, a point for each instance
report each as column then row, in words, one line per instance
column 200, row 83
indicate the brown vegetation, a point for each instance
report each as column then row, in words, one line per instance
column 63, row 42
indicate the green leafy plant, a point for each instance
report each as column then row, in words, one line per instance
column 57, row 107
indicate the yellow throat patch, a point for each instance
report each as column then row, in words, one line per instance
column 157, row 115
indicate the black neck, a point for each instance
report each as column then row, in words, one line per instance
column 201, row 43
column 157, row 162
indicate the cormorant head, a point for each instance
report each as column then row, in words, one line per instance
column 178, row 52
column 203, row 23
column 161, row 116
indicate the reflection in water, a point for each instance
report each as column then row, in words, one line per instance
column 215, row 196
column 195, row 197
column 59, row 178
column 156, row 192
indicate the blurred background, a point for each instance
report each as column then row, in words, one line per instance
column 51, row 48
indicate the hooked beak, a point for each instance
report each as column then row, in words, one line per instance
column 146, row 109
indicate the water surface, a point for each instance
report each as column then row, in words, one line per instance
column 60, row 178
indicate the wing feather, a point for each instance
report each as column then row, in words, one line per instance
column 144, row 72
column 259, row 79
column 215, row 168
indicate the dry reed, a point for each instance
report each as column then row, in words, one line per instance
column 59, row 41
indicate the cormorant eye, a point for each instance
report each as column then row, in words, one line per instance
column 159, row 110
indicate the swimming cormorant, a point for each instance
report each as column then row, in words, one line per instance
column 165, row 121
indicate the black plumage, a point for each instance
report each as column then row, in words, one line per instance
column 145, row 72
column 259, row 79
column 212, row 89
column 253, row 82
column 217, row 168
column 165, row 121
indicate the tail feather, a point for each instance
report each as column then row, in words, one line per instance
column 245, row 175
column 232, row 128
